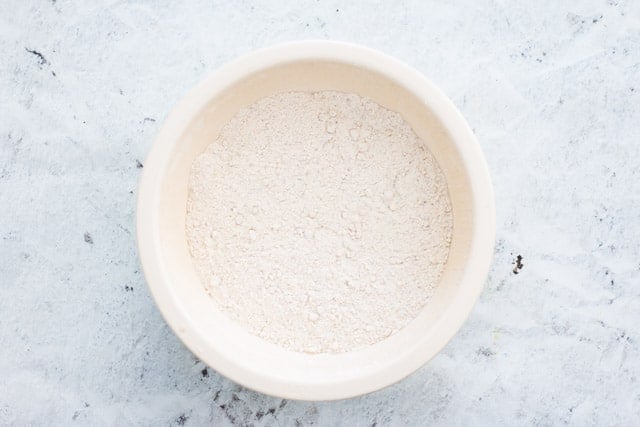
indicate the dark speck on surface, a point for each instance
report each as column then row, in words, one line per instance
column 205, row 373
column 230, row 416
column 518, row 264
column 88, row 239
column 128, row 288
column 139, row 164
column 181, row 420
column 485, row 351
column 41, row 59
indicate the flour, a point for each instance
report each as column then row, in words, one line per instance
column 318, row 221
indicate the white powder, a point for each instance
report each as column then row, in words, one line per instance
column 318, row 221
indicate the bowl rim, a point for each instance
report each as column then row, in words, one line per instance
column 149, row 188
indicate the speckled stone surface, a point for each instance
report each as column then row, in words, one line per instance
column 551, row 90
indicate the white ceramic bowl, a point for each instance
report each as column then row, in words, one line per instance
column 196, row 121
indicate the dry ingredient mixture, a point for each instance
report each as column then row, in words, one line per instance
column 318, row 221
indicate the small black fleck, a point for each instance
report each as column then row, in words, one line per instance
column 259, row 414
column 337, row 10
column 223, row 406
column 139, row 164
column 571, row 410
column 204, row 373
column 41, row 59
column 182, row 419
column 148, row 119
column 632, row 89
column 75, row 415
column 131, row 192
column 271, row 411
column 86, row 404
column 88, row 239
column 544, row 53
column 234, row 397
column 128, row 288
column 517, row 264
column 216, row 396
column 53, row 73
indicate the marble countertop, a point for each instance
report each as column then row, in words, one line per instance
column 552, row 91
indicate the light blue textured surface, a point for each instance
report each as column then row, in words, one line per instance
column 551, row 89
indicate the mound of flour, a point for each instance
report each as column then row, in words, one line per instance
column 318, row 221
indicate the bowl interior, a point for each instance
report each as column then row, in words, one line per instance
column 225, row 345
